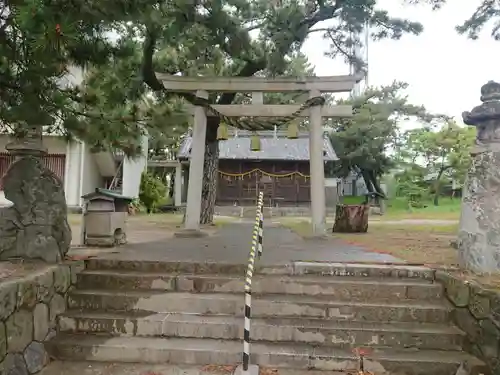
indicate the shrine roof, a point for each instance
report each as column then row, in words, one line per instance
column 274, row 146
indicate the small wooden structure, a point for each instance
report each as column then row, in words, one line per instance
column 105, row 218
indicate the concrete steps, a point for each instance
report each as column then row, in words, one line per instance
column 276, row 355
column 305, row 316
column 309, row 331
column 336, row 287
column 269, row 305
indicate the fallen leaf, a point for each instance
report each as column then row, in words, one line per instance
column 220, row 369
column 361, row 352
column 268, row 371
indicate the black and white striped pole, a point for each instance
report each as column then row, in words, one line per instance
column 256, row 249
column 261, row 225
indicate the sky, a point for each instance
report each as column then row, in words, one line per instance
column 444, row 70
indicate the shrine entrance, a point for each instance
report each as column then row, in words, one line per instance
column 259, row 116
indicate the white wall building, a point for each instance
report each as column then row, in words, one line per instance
column 81, row 170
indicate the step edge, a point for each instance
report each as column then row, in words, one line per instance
column 444, row 305
column 429, row 328
column 260, row 277
column 272, row 348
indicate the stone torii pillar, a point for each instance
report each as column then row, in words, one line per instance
column 317, row 169
column 193, row 206
column 479, row 231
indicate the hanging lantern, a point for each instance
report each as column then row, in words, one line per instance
column 255, row 142
column 293, row 130
column 222, row 132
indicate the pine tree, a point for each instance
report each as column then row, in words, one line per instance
column 364, row 142
column 39, row 44
column 280, row 29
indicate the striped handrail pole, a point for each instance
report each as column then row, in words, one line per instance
column 261, row 223
column 256, row 246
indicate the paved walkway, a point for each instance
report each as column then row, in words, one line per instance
column 231, row 244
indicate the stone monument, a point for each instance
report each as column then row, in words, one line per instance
column 479, row 232
column 35, row 227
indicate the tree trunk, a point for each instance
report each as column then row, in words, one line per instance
column 380, row 199
column 437, row 187
column 171, row 186
column 373, row 186
column 367, row 180
column 351, row 218
column 436, row 198
column 376, row 184
column 210, row 170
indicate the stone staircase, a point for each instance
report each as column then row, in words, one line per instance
column 305, row 316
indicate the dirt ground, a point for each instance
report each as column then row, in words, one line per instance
column 416, row 241
column 420, row 244
column 144, row 228
column 423, row 242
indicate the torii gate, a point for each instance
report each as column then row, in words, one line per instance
column 313, row 86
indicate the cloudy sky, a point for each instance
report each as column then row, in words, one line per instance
column 445, row 70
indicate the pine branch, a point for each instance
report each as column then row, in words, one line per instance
column 253, row 67
column 148, row 73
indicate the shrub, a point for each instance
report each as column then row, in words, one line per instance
column 152, row 191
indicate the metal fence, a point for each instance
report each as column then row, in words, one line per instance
column 256, row 250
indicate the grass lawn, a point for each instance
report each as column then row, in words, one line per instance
column 448, row 209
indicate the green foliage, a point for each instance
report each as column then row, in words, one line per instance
column 363, row 141
column 152, row 192
column 444, row 152
column 38, row 44
column 411, row 187
column 487, row 14
column 136, row 207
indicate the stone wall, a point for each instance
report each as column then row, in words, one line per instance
column 477, row 313
column 29, row 306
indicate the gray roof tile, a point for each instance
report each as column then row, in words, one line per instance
column 272, row 148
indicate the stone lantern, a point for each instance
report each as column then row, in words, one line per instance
column 479, row 232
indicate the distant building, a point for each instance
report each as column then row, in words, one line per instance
column 280, row 169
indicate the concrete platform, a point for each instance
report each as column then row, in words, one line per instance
column 231, row 244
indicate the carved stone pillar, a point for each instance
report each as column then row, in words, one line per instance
column 479, row 233
column 36, row 226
